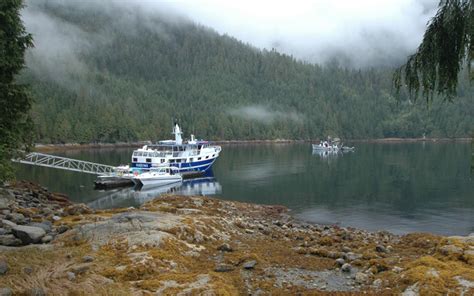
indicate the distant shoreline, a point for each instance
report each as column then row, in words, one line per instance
column 77, row 146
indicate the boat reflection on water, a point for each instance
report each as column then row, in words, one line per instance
column 326, row 154
column 135, row 196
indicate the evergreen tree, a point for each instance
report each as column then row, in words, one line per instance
column 447, row 45
column 15, row 123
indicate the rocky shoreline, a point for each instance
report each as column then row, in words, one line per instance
column 199, row 245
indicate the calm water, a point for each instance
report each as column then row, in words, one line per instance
column 397, row 187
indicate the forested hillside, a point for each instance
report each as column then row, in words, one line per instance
column 138, row 71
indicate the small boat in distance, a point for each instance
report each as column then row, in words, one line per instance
column 158, row 176
column 325, row 146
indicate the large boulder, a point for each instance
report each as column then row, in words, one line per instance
column 29, row 234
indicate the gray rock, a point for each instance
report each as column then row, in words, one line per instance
column 133, row 216
column 3, row 231
column 71, row 276
column 397, row 269
column 381, row 249
column 9, row 240
column 377, row 283
column 5, row 202
column 16, row 218
column 412, row 290
column 3, row 267
column 28, row 234
column 451, row 250
column 87, row 258
column 350, row 256
column 6, row 291
column 47, row 227
column 469, row 253
column 223, row 268
column 225, row 248
column 361, row 278
column 5, row 212
column 346, row 249
column 346, row 267
column 340, row 261
column 56, row 218
column 37, row 292
column 46, row 239
column 80, row 268
column 62, row 229
column 249, row 264
column 8, row 224
column 28, row 270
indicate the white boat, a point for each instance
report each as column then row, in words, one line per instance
column 192, row 155
column 325, row 146
column 158, row 176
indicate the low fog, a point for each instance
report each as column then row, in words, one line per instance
column 264, row 114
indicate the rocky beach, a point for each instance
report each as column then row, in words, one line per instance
column 199, row 245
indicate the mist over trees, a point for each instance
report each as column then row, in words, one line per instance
column 113, row 75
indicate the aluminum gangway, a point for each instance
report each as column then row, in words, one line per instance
column 64, row 163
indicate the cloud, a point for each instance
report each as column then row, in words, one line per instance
column 364, row 32
column 358, row 33
column 264, row 114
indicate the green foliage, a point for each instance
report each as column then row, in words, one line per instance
column 147, row 72
column 447, row 45
column 15, row 124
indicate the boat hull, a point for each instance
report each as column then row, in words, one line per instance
column 200, row 166
column 322, row 148
column 157, row 181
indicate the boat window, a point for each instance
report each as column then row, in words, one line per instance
column 191, row 159
column 135, row 159
column 199, row 158
column 135, row 153
column 171, row 160
column 162, row 160
column 148, row 160
column 178, row 160
column 199, row 146
column 207, row 157
column 213, row 155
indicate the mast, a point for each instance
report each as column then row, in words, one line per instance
column 177, row 133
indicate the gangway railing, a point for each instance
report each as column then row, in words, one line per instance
column 64, row 163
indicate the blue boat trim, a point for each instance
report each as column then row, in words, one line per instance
column 183, row 167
